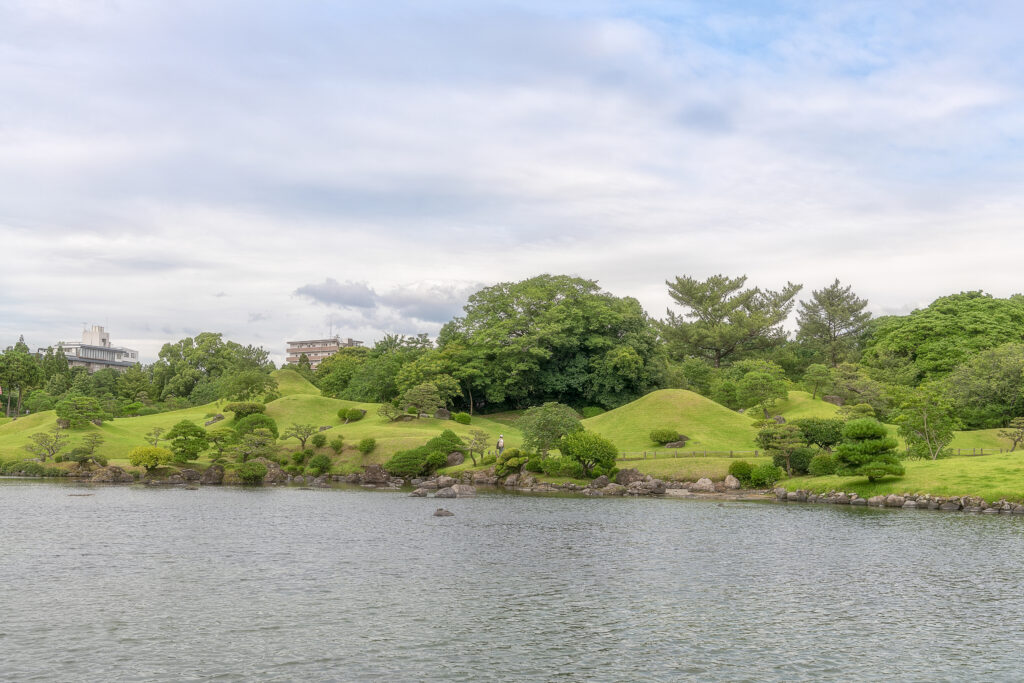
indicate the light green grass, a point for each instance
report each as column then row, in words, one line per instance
column 800, row 404
column 290, row 382
column 688, row 469
column 990, row 476
column 707, row 424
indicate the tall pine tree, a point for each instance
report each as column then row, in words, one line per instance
column 832, row 320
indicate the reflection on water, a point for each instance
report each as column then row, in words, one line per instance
column 285, row 584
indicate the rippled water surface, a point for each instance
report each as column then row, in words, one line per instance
column 288, row 584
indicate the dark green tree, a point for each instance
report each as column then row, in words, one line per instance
column 926, row 421
column 594, row 452
column 79, row 411
column 543, row 426
column 816, row 378
column 302, row 432
column 820, row 431
column 422, row 399
column 832, row 321
column 187, row 440
column 760, row 390
column 867, row 450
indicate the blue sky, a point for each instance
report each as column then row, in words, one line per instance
column 270, row 169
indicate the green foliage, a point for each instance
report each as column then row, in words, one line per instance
column 244, row 409
column 251, row 473
column 722, row 321
column 446, row 442
column 664, row 436
column 511, row 461
column 796, row 462
column 817, row 378
column 741, row 469
column 366, row 445
column 302, row 432
column 256, row 421
column 149, row 456
column 39, row 400
column 561, row 467
column 1015, row 433
column 422, row 398
column 479, row 441
column 819, row 431
column 299, row 457
column 760, row 390
column 926, row 421
column 832, row 321
column 822, row 465
column 79, row 411
column 542, row 426
column 591, row 411
column 986, row 390
column 259, row 443
column 535, row 464
column 434, row 461
column 462, row 418
column 766, row 474
column 590, row 450
column 187, row 441
column 858, row 411
column 319, row 464
column 354, row 414
column 853, row 384
column 782, row 442
column 47, row 444
column 408, row 463
column 318, row 440
column 337, row 443
column 867, row 450
column 334, row 373
column 24, row 468
column 389, row 411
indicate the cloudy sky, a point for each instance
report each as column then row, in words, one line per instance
column 273, row 169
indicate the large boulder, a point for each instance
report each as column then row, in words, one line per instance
column 676, row 444
column 894, row 501
column 614, row 490
column 274, row 475
column 189, row 474
column 731, row 482
column 598, row 483
column 442, row 414
column 214, row 474
column 834, row 400
column 376, row 475
column 876, row 501
column 703, row 485
column 418, row 493
column 111, row 475
column 486, row 478
column 627, row 477
column 456, row 458
column 464, row 491
column 444, row 482
column 447, row 492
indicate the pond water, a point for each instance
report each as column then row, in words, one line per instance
column 229, row 584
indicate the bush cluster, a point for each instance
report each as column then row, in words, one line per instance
column 562, row 467
column 367, row 445
column 822, row 464
column 664, row 436
column 799, row 459
column 741, row 469
column 462, row 418
column 251, row 472
column 351, row 414
column 336, row 444
column 319, row 464
column 765, row 475
column 244, row 409
column 511, row 461
column 318, row 440
column 251, row 423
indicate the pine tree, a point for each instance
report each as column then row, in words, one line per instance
column 867, row 450
column 831, row 320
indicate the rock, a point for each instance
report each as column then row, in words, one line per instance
column 910, row 505
column 1017, row 509
column 780, row 493
column 404, row 418
column 274, row 475
column 445, row 482
column 636, row 488
column 443, row 414
column 598, row 483
column 614, row 490
column 464, row 491
column 894, row 501
column 779, row 419
column 484, row 478
column 419, row 493
column 447, row 492
column 324, row 428
column 704, row 484
column 858, row 501
column 214, row 475
column 731, row 482
column 841, row 499
column 655, row 486
column 834, row 400
column 456, row 458
column 950, row 505
column 799, row 496
column 214, row 420
column 441, row 512
column 627, row 477
column 990, row 511
column 323, row 481
column 190, row 475
column 112, row 475
column 430, row 484
column 374, row 474
column 676, row 444
column 876, row 501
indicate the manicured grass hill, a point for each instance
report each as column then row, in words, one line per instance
column 990, row 476
column 289, row 382
column 707, row 424
column 800, row 404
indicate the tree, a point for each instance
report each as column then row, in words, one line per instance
column 244, row 409
column 149, row 456
column 78, row 411
column 852, row 384
column 221, row 439
column 334, row 373
column 1015, row 433
column 188, row 440
column 302, row 432
column 867, row 450
column 552, row 336
column 817, row 377
column 304, row 367
column 832, row 320
column 986, row 390
column 780, row 441
column 154, row 435
column 594, row 452
column 542, row 426
column 247, row 385
column 45, row 445
column 90, row 442
column 926, row 422
column 820, row 431
column 259, row 443
column 389, row 411
column 760, row 390
column 19, row 370
column 422, row 398
column 722, row 321
column 479, row 441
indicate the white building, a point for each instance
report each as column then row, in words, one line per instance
column 94, row 352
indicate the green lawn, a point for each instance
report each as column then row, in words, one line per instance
column 688, row 469
column 800, row 404
column 290, row 382
column 990, row 476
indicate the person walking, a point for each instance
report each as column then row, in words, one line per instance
column 501, row 443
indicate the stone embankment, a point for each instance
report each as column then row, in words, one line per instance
column 906, row 501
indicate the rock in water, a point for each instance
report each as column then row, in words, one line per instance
column 447, row 492
column 441, row 512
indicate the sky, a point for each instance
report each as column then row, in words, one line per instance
column 278, row 170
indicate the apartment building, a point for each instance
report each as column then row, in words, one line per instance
column 317, row 350
column 95, row 352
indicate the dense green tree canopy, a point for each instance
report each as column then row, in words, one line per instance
column 832, row 321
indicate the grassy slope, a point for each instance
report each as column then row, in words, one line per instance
column 708, row 424
column 290, row 382
column 800, row 404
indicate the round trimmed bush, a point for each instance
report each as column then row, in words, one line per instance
column 765, row 475
column 337, row 444
column 799, row 460
column 319, row 464
column 318, row 440
column 664, row 436
column 822, row 465
column 251, row 472
column 249, row 424
column 408, row 463
column 244, row 409
column 462, row 418
column 741, row 469
column 434, row 462
column 367, row 445
column 351, row 414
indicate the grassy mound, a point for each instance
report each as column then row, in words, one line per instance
column 290, row 382
column 800, row 404
column 709, row 425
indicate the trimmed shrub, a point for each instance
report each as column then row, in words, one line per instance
column 337, row 444
column 741, row 469
column 446, row 442
column 319, row 464
column 244, row 409
column 149, row 456
column 591, row 450
column 434, row 462
column 299, row 458
column 367, row 445
column 408, row 463
column 462, row 418
column 534, row 464
column 256, row 421
column 822, row 465
column 799, row 459
column 251, row 472
column 293, row 469
column 591, row 411
column 664, row 436
column 350, row 414
column 511, row 461
column 318, row 440
column 562, row 467
column 765, row 475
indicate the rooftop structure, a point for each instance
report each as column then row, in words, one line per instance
column 317, row 350
column 94, row 352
